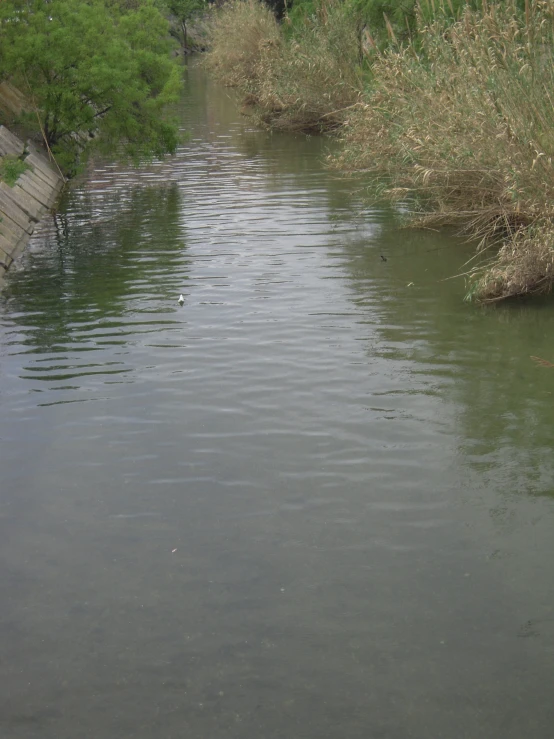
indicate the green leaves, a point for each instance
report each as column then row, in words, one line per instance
column 93, row 70
column 184, row 11
column 11, row 167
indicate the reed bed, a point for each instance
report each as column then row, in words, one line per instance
column 457, row 123
column 241, row 33
column 301, row 81
column 461, row 127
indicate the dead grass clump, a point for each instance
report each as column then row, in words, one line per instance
column 524, row 265
column 461, row 127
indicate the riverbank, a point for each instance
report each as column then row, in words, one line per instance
column 303, row 82
column 25, row 197
column 454, row 122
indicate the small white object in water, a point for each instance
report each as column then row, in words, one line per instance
column 181, row 299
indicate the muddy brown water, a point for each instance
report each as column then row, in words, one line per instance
column 315, row 501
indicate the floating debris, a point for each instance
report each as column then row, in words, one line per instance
column 542, row 362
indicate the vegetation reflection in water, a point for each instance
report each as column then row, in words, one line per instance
column 482, row 357
column 98, row 266
column 312, row 501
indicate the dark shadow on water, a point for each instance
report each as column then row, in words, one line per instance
column 91, row 266
column 480, row 356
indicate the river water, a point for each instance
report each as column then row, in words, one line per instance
column 315, row 501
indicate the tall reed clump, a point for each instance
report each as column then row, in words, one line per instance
column 304, row 80
column 461, row 125
column 241, row 33
column 317, row 78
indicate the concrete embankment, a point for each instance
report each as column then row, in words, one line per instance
column 31, row 197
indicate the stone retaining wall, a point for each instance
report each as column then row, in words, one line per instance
column 24, row 204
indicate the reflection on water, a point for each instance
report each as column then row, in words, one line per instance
column 80, row 299
column 314, row 501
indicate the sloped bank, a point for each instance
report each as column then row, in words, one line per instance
column 23, row 204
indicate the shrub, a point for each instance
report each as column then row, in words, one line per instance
column 11, row 167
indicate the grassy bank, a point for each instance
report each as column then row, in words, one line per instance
column 456, row 121
column 463, row 131
column 303, row 79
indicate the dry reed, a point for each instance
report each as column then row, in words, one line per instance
column 241, row 33
column 458, row 124
column 461, row 127
column 303, row 82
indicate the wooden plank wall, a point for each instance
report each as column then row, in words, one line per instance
column 24, row 204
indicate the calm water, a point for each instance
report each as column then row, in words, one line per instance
column 312, row 503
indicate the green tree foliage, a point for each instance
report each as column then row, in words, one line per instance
column 97, row 75
column 184, row 11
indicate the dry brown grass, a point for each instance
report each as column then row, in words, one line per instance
column 314, row 83
column 459, row 126
column 462, row 128
column 524, row 265
column 242, row 32
column 306, row 82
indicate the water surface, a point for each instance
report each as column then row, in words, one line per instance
column 315, row 501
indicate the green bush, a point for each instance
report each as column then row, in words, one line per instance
column 95, row 74
column 11, row 167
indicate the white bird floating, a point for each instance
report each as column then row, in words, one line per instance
column 181, row 299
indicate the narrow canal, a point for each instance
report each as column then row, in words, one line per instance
column 315, row 501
